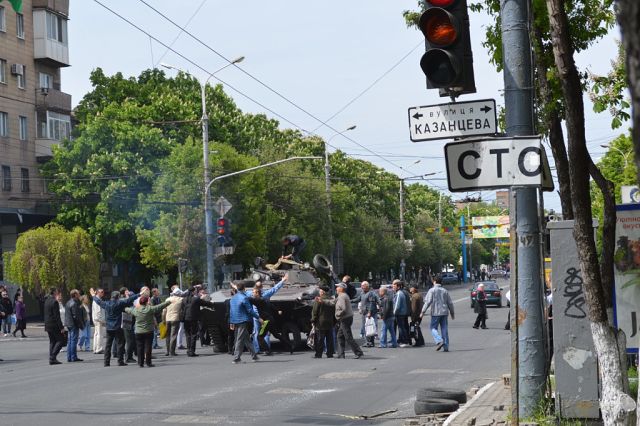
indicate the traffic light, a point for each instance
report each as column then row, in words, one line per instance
column 223, row 230
column 447, row 61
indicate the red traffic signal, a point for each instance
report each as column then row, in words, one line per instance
column 447, row 62
column 221, row 226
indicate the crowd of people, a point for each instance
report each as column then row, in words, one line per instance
column 127, row 324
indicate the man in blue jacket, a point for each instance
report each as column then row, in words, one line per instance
column 113, row 316
column 266, row 295
column 401, row 310
column 240, row 314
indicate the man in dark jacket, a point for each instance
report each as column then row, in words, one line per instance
column 74, row 321
column 192, row 304
column 113, row 316
column 267, row 313
column 388, row 318
column 53, row 326
column 292, row 247
column 323, row 317
column 7, row 307
column 416, row 310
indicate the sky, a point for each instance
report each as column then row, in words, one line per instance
column 314, row 58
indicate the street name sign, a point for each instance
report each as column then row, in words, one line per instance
column 223, row 206
column 453, row 120
column 492, row 163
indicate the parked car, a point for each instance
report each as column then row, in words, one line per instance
column 498, row 273
column 491, row 289
column 449, row 278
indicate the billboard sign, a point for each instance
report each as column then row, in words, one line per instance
column 490, row 227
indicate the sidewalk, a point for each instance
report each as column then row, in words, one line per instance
column 488, row 406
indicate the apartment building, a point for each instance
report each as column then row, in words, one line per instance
column 34, row 111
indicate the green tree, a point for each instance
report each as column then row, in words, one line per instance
column 51, row 256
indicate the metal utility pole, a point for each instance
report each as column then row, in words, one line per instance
column 402, row 262
column 464, row 249
column 327, row 188
column 440, row 226
column 518, row 90
column 208, row 214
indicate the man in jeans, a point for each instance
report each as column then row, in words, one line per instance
column 388, row 319
column 439, row 304
column 401, row 310
column 240, row 314
column 74, row 321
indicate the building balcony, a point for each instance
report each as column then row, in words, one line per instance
column 50, row 38
column 53, row 100
column 51, row 52
column 59, row 6
column 43, row 149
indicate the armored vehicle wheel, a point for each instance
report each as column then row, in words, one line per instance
column 322, row 263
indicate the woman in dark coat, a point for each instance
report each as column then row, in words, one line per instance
column 480, row 307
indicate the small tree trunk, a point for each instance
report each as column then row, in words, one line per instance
column 614, row 403
column 552, row 121
column 628, row 12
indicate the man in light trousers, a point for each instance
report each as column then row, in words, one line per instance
column 439, row 304
column 100, row 325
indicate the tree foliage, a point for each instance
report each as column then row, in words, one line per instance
column 51, row 256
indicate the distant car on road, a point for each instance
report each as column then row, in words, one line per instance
column 492, row 291
column 498, row 273
column 449, row 278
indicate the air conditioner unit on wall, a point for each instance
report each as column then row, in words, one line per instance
column 17, row 69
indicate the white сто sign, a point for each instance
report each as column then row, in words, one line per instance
column 492, row 163
column 630, row 194
column 627, row 273
column 453, row 120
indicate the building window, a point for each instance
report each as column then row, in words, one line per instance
column 22, row 125
column 24, row 174
column 3, row 71
column 56, row 28
column 59, row 125
column 6, row 178
column 46, row 80
column 3, row 21
column 4, row 124
column 20, row 25
column 21, row 78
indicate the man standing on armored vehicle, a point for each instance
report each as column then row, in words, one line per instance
column 292, row 247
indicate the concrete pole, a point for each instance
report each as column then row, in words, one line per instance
column 327, row 188
column 440, row 227
column 208, row 214
column 518, row 89
column 402, row 262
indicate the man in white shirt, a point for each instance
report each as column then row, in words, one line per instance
column 100, row 326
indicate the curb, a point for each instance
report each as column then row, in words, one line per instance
column 468, row 405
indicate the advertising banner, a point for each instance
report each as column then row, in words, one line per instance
column 490, row 227
column 627, row 273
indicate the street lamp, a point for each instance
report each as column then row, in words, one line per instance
column 418, row 177
column 327, row 185
column 625, row 155
column 208, row 216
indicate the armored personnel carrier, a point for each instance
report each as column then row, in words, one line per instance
column 294, row 300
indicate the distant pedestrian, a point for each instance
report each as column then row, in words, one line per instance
column 21, row 317
column 99, row 324
column 480, row 308
column 402, row 310
column 240, row 315
column 155, row 300
column 127, row 328
column 344, row 316
column 171, row 316
column 74, row 321
column 416, row 310
column 113, row 314
column 507, row 296
column 191, row 305
column 145, row 323
column 7, row 307
column 323, row 319
column 85, row 334
column 368, row 308
column 438, row 303
column 388, row 319
column 265, row 295
column 267, row 313
column 53, row 326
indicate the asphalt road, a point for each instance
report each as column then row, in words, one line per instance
column 280, row 390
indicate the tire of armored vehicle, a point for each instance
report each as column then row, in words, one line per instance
column 294, row 300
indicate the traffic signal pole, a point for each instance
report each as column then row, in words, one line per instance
column 529, row 321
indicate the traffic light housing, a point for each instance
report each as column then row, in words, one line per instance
column 447, row 62
column 223, row 229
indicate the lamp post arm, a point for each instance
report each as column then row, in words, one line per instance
column 261, row 166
